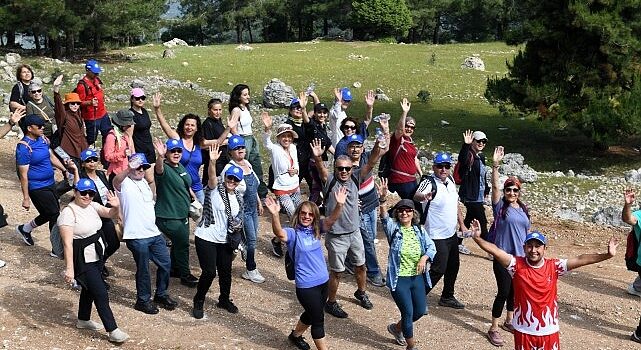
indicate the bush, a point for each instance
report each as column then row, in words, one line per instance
column 374, row 19
column 424, row 96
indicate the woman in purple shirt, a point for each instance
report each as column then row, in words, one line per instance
column 310, row 269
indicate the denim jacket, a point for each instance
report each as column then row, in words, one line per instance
column 395, row 240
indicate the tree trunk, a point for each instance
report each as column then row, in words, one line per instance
column 437, row 28
column 239, row 34
column 36, row 41
column 325, row 27
column 11, row 38
column 96, row 41
column 54, row 45
column 69, row 45
column 249, row 29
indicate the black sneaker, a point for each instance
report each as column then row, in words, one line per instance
column 147, row 307
column 451, row 302
column 277, row 248
column 227, row 305
column 363, row 299
column 165, row 302
column 299, row 341
column 635, row 338
column 335, row 310
column 189, row 280
column 198, row 311
column 26, row 236
column 376, row 281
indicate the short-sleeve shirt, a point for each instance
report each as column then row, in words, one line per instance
column 410, row 252
column 349, row 220
column 212, row 129
column 217, row 232
column 142, row 135
column 15, row 94
column 40, row 173
column 442, row 215
column 403, row 152
column 341, row 145
column 310, row 269
column 85, row 223
column 137, row 209
column 172, row 196
column 192, row 159
column 536, row 310
column 511, row 231
column 46, row 110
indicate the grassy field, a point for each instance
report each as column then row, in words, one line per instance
column 399, row 70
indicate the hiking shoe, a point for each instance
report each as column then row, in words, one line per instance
column 463, row 249
column 198, row 310
column 165, row 302
column 91, row 325
column 635, row 338
column 376, row 281
column 335, row 310
column 451, row 302
column 495, row 338
column 277, row 248
column 227, row 305
column 299, row 341
column 54, row 255
column 633, row 291
column 146, row 307
column 253, row 276
column 363, row 299
column 507, row 326
column 189, row 280
column 2, row 263
column 118, row 336
column 26, row 236
column 398, row 336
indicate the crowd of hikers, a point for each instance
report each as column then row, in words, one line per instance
column 143, row 191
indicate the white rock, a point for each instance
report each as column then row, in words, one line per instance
column 357, row 84
column 12, row 58
column 473, row 62
column 244, row 47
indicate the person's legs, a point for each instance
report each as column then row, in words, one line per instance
column 403, row 298
column 104, row 126
column 159, row 255
column 368, row 233
column 452, row 267
column 206, row 252
column 253, row 156
column 178, row 233
column 224, row 257
column 46, row 202
column 286, row 201
column 475, row 211
column 91, row 131
column 405, row 190
column 140, row 251
column 419, row 304
column 503, row 285
column 316, row 187
column 439, row 264
column 337, row 248
column 251, row 231
column 98, row 291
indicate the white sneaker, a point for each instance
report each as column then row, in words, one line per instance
column 91, row 325
column 118, row 336
column 253, row 276
column 463, row 250
column 633, row 291
column 2, row 263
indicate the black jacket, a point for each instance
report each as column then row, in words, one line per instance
column 470, row 172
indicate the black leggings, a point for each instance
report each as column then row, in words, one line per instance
column 213, row 257
column 313, row 301
column 46, row 202
column 475, row 211
column 94, row 291
column 504, row 293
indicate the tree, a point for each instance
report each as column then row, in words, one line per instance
column 578, row 66
column 374, row 19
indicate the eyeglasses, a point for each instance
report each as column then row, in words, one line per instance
column 232, row 178
column 140, row 98
column 482, row 141
column 307, row 213
column 343, row 168
column 89, row 193
column 410, row 126
column 349, row 127
column 74, row 103
column 176, row 150
column 91, row 160
column 406, row 210
column 36, row 91
column 238, row 148
column 512, row 189
column 444, row 165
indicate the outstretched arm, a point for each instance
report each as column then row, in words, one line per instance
column 400, row 127
column 500, row 256
column 369, row 101
column 214, row 154
column 274, row 209
column 13, row 120
column 171, row 133
column 587, row 259
column 499, row 152
column 161, row 151
column 626, row 214
column 317, row 150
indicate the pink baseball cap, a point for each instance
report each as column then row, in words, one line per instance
column 137, row 92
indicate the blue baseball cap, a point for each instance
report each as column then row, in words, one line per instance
column 85, row 184
column 442, row 157
column 173, row 144
column 235, row 141
column 536, row 235
column 88, row 153
column 355, row 138
column 34, row 119
column 295, row 103
column 346, row 95
column 92, row 65
column 235, row 171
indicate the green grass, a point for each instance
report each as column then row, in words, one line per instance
column 400, row 70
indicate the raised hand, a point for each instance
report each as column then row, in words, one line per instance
column 233, row 120
column 341, row 194
column 499, row 153
column 156, row 99
column 317, row 148
column 267, row 120
column 612, row 246
column 467, row 136
column 214, row 152
column 70, row 165
column 405, row 105
column 382, row 188
column 272, row 205
column 338, row 95
column 160, row 148
column 629, row 196
column 476, row 229
column 112, row 199
column 302, row 98
column 18, row 114
column 370, row 98
column 58, row 80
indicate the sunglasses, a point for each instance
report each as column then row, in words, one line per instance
column 343, row 168
column 483, row 141
column 238, row 148
column 176, row 150
column 406, row 210
column 74, row 103
column 232, row 178
column 512, row 189
column 409, row 126
column 140, row 98
column 91, row 160
column 89, row 193
column 141, row 168
column 441, row 166
column 36, row 91
column 307, row 213
column 349, row 127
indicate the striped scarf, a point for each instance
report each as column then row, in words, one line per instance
column 208, row 211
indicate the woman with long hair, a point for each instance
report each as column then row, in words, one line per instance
column 141, row 136
column 20, row 92
column 189, row 132
column 310, row 268
column 411, row 249
column 118, row 143
column 511, row 225
column 239, row 108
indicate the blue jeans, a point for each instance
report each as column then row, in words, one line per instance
column 102, row 125
column 411, row 301
column 250, row 219
column 368, row 231
column 252, row 155
column 154, row 249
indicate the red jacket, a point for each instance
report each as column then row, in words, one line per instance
column 87, row 91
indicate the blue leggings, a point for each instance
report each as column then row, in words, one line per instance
column 411, row 301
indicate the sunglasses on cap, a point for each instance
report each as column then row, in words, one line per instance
column 39, row 91
column 512, row 190
column 89, row 193
column 140, row 98
column 91, row 160
column 343, row 168
column 443, row 165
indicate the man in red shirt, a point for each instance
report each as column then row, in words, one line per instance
column 536, row 310
column 92, row 107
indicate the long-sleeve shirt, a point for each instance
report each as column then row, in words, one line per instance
column 282, row 160
column 115, row 150
column 72, row 128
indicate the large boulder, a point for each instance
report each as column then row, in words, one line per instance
column 473, row 62
column 609, row 216
column 168, row 53
column 277, row 94
column 633, row 175
column 175, row 42
column 12, row 58
column 513, row 165
column 569, row 214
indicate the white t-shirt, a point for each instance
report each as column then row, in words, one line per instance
column 245, row 122
column 85, row 223
column 217, row 232
column 442, row 214
column 137, row 209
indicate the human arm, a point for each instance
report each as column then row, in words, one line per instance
column 500, row 255
column 111, row 211
column 460, row 217
column 375, row 157
column 587, row 259
column 400, row 126
column 369, row 102
column 161, row 151
column 56, row 163
column 303, row 103
column 626, row 214
column 341, row 195
column 274, row 209
column 314, row 97
column 499, row 153
column 66, row 233
column 171, row 133
column 317, row 151
column 423, row 191
column 429, row 253
column 417, row 163
column 235, row 114
column 15, row 98
column 214, row 154
column 15, row 117
column 24, row 185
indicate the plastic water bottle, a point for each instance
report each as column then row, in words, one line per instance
column 464, row 234
column 380, row 137
column 310, row 89
column 382, row 116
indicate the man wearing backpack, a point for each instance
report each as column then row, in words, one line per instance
column 441, row 214
column 93, row 108
column 472, row 173
column 42, row 105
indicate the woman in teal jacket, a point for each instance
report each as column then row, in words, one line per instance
column 411, row 249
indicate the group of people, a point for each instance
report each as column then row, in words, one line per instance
column 212, row 171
